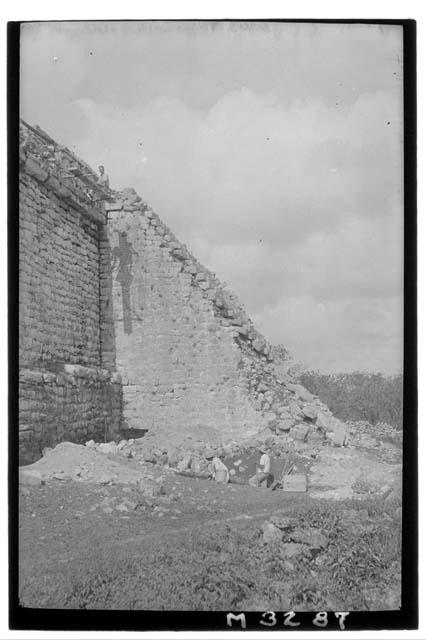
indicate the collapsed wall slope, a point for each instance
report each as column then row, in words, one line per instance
column 192, row 363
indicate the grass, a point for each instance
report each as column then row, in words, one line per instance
column 229, row 568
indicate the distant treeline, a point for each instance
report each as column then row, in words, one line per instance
column 359, row 396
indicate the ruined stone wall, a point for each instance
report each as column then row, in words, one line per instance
column 60, row 305
column 74, row 403
column 190, row 358
column 59, row 280
column 106, row 290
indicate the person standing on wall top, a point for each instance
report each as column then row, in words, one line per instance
column 103, row 179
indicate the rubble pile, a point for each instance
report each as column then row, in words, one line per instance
column 79, row 463
column 385, row 440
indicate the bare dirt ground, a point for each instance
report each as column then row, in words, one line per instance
column 63, row 525
column 200, row 546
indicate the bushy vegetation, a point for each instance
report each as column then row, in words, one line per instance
column 359, row 396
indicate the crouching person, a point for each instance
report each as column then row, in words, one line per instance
column 217, row 468
column 263, row 476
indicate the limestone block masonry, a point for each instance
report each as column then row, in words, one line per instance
column 60, row 306
column 189, row 356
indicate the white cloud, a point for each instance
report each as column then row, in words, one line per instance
column 341, row 335
column 274, row 152
column 252, row 188
column 249, row 165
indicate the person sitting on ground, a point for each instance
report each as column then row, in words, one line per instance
column 217, row 468
column 262, row 477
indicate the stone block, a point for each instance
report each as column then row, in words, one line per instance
column 295, row 482
column 271, row 533
column 299, row 432
column 300, row 392
column 30, row 477
column 31, row 377
column 310, row 411
column 323, row 421
column 286, row 424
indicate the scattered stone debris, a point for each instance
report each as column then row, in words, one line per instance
column 79, row 463
column 316, row 465
column 296, row 540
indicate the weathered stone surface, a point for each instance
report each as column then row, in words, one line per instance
column 258, row 344
column 300, row 392
column 182, row 369
column 270, row 418
column 340, row 435
column 311, row 537
column 310, row 411
column 323, row 421
column 30, row 477
column 292, row 549
column 32, row 377
column 108, row 448
column 295, row 410
column 286, row 424
column 72, row 408
column 271, row 533
column 150, row 489
column 300, row 432
column 62, row 300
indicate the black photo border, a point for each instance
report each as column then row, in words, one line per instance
column 84, row 620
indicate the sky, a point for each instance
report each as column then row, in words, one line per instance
column 273, row 150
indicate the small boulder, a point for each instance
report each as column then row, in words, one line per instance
column 311, row 537
column 300, row 432
column 150, row 489
column 195, row 466
column 149, row 456
column 173, row 458
column 285, row 425
column 108, row 448
column 271, row 533
column 258, row 345
column 323, row 421
column 310, row 411
column 300, row 392
column 293, row 549
column 316, row 437
column 30, row 477
column 185, row 463
column 295, row 410
column 270, row 418
column 340, row 435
